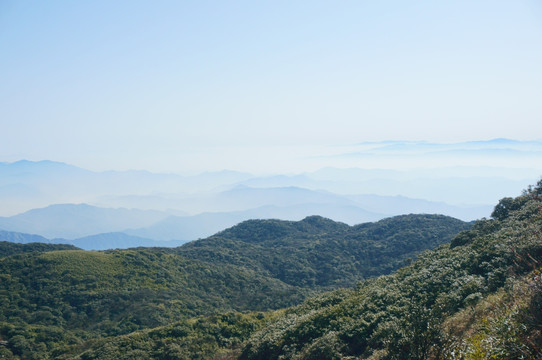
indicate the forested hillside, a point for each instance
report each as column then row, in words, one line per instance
column 479, row 297
column 51, row 301
column 318, row 252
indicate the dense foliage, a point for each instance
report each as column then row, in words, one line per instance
column 91, row 294
column 213, row 337
column 409, row 315
column 10, row 248
column 60, row 303
column 318, row 252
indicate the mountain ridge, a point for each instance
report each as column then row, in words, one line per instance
column 29, row 185
column 72, row 221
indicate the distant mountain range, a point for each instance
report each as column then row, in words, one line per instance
column 71, row 221
column 104, row 241
column 91, row 227
column 26, row 185
column 58, row 200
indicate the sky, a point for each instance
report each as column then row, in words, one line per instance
column 254, row 85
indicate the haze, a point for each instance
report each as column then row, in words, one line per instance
column 268, row 87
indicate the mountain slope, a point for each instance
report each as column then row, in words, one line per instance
column 21, row 238
column 479, row 297
column 401, row 316
column 117, row 291
column 91, row 294
column 103, row 241
column 320, row 252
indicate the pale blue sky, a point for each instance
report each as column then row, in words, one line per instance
column 191, row 85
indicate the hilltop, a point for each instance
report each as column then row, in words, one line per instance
column 318, row 252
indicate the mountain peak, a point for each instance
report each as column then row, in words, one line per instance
column 318, row 222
